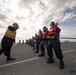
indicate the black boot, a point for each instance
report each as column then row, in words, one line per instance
column 41, row 55
column 10, row 59
column 33, row 49
column 36, row 52
column 48, row 58
column 51, row 60
column 61, row 66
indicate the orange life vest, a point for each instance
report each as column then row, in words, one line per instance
column 45, row 33
column 52, row 31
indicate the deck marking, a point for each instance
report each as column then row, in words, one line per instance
column 30, row 59
column 19, row 62
column 68, row 51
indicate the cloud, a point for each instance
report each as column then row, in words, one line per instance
column 8, row 10
column 32, row 15
column 20, row 17
column 68, row 31
column 3, row 16
column 68, row 16
column 58, row 8
column 24, row 3
column 1, row 26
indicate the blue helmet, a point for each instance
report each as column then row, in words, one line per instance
column 40, row 31
column 52, row 23
column 44, row 27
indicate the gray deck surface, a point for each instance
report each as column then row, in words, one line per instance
column 28, row 63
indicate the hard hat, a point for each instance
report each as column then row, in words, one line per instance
column 15, row 23
column 44, row 27
column 52, row 23
column 40, row 31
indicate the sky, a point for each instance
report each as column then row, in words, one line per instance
column 32, row 15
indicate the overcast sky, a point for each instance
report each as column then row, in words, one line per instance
column 32, row 15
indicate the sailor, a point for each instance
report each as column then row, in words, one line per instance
column 54, row 43
column 8, row 40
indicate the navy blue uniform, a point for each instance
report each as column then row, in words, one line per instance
column 56, row 45
column 7, row 42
